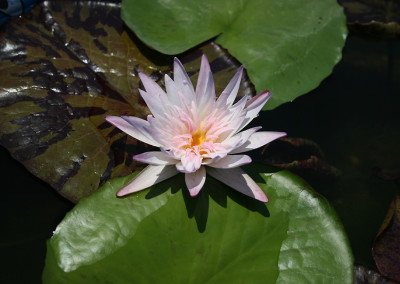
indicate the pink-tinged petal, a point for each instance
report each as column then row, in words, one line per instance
column 190, row 162
column 149, row 176
column 151, row 86
column 228, row 95
column 231, row 161
column 155, row 158
column 259, row 100
column 195, row 181
column 135, row 129
column 182, row 80
column 254, row 106
column 240, row 181
column 257, row 140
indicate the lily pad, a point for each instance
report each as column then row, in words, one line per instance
column 64, row 66
column 373, row 19
column 301, row 156
column 364, row 275
column 288, row 46
column 386, row 247
column 162, row 234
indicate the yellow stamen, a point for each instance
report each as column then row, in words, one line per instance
column 198, row 138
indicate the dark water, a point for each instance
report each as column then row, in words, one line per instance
column 353, row 116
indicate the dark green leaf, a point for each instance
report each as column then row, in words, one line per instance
column 66, row 65
column 147, row 237
column 288, row 47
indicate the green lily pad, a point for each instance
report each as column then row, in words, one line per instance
column 163, row 235
column 65, row 65
column 288, row 47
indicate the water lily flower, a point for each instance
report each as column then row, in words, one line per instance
column 196, row 132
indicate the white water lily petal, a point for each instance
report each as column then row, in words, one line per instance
column 257, row 140
column 135, row 130
column 206, row 100
column 182, row 81
column 254, row 106
column 195, row 181
column 240, row 181
column 151, row 86
column 148, row 177
column 155, row 158
column 239, row 139
column 191, row 163
column 172, row 92
column 229, row 94
column 202, row 80
column 154, row 103
column 231, row 161
column 143, row 126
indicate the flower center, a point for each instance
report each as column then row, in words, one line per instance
column 198, row 138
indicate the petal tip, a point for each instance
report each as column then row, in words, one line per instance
column 121, row 193
column 194, row 194
column 263, row 199
column 108, row 117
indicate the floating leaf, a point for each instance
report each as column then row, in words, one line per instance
column 375, row 19
column 301, row 156
column 147, row 237
column 386, row 247
column 288, row 47
column 64, row 66
column 363, row 275
column 367, row 11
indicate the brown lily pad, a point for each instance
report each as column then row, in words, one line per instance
column 374, row 19
column 301, row 156
column 386, row 247
column 66, row 65
column 363, row 275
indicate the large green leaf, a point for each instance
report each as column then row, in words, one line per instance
column 162, row 235
column 64, row 66
column 287, row 46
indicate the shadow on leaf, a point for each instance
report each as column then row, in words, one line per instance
column 198, row 207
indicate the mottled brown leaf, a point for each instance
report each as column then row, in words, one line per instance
column 386, row 247
column 301, row 156
column 363, row 275
column 373, row 18
column 64, row 66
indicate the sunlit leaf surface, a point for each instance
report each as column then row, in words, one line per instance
column 288, row 47
column 64, row 66
column 147, row 237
